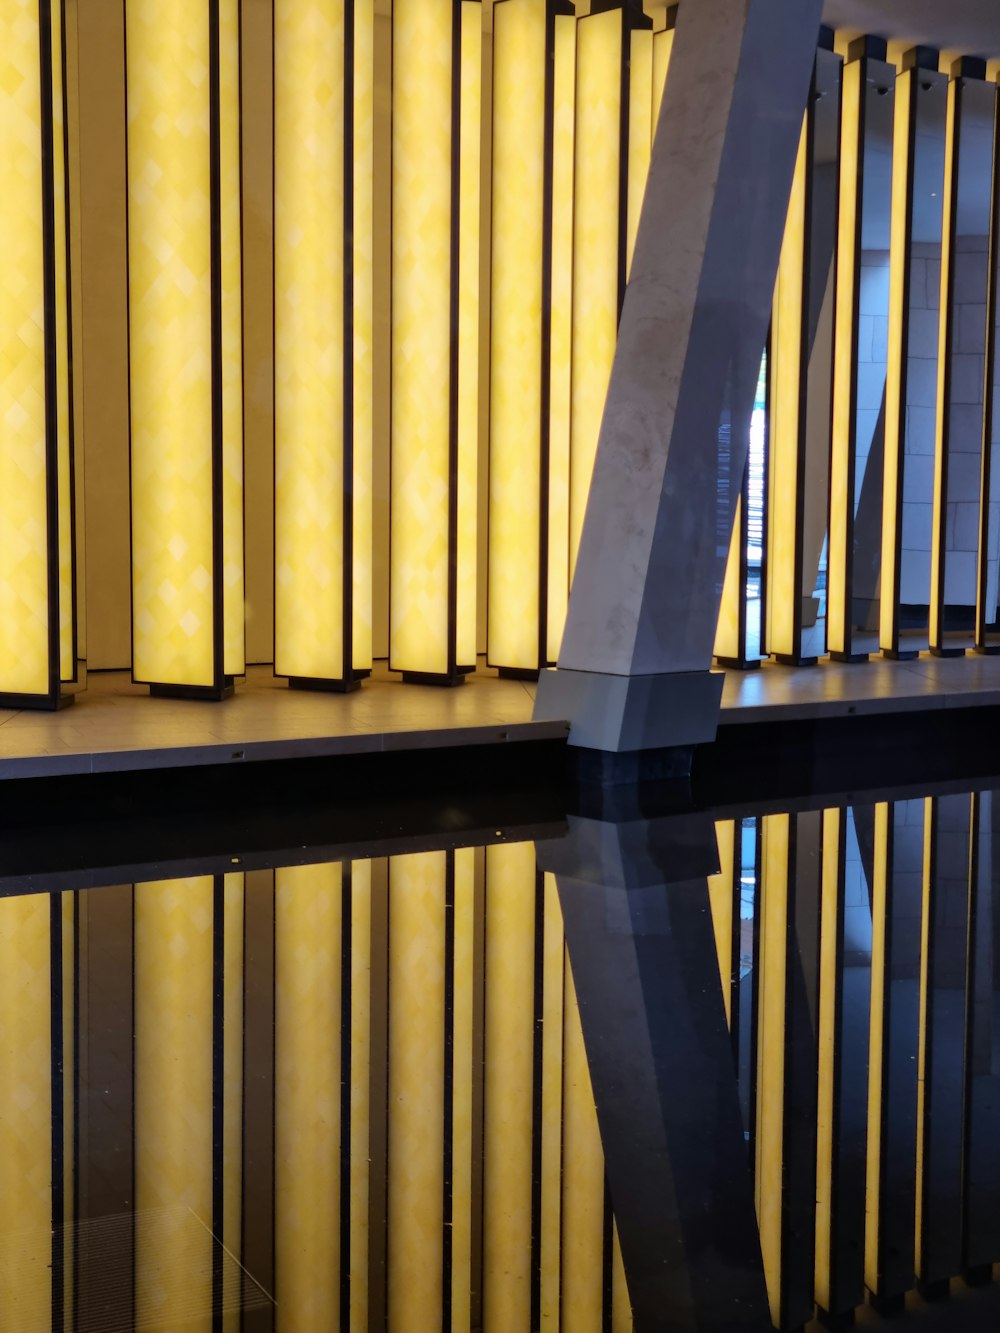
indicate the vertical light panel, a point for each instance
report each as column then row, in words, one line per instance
column 640, row 129
column 720, row 900
column 323, row 135
column 663, row 45
column 830, row 963
column 601, row 159
column 360, row 1101
column 38, row 627
column 436, row 95
column 185, row 352
column 464, row 1081
column 551, row 1096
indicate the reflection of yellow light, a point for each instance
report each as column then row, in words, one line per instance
column 175, row 581
column 516, row 351
column 583, row 1181
column 28, row 474
column 596, row 244
column 876, row 1050
column 307, row 1035
column 360, row 1074
column 825, row 1108
column 787, row 385
column 508, row 1099
column 895, row 408
column 463, row 1060
column 640, row 136
column 770, row 1120
column 663, row 46
column 841, row 482
column 232, row 1091
column 553, row 992
column 416, row 1090
column 930, row 811
column 727, row 630
column 720, row 901
column 938, row 545
column 563, row 110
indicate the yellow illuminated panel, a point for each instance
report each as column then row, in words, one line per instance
column 561, row 328
column 67, row 651
column 25, row 1117
column 727, row 630
column 895, row 408
column 553, row 995
column 361, row 955
column 364, row 141
column 843, row 360
column 416, row 1090
column 170, row 340
column 663, row 46
column 24, row 608
column 309, row 338
column 621, row 1306
column 720, row 899
column 468, row 329
column 640, row 136
column 786, row 388
column 596, row 245
column 421, row 332
column 510, row 953
column 583, row 1183
column 519, row 62
column 826, row 1111
column 876, row 1053
column 307, row 971
column 462, row 1094
column 771, row 1051
column 945, row 305
column 174, row 989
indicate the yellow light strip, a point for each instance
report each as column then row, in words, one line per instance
column 361, row 959
column 829, row 964
column 516, row 352
column 663, row 46
column 416, row 1090
column 930, row 813
column 787, row 386
column 509, row 1093
column 895, row 408
column 621, row 1306
column 720, row 901
column 171, row 338
column 839, row 595
column 770, row 1120
column 307, row 1074
column 25, row 1119
column 174, row 989
column 69, row 1101
column 232, row 1092
column 362, row 556
column 727, row 631
column 561, row 329
column 583, row 1181
column 596, row 244
column 462, row 1047
column 876, row 1050
column 553, row 996
column 67, row 647
column 640, row 137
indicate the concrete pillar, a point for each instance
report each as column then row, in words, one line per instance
column 633, row 673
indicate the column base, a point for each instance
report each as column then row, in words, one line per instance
column 206, row 693
column 42, row 703
column 835, row 1321
column 517, row 673
column 848, row 657
column 444, row 680
column 346, row 686
column 986, row 649
column 792, row 659
column 626, row 714
column 900, row 654
column 889, row 1307
column 947, row 652
column 936, row 1290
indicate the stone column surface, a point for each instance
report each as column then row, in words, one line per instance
column 633, row 673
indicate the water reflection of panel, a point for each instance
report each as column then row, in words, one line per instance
column 987, row 618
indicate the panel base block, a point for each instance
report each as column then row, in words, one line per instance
column 936, row 1290
column 622, row 714
column 444, row 679
column 44, row 703
column 516, row 673
column 318, row 683
column 900, row 654
column 979, row 1276
column 946, row 652
column 739, row 663
column 848, row 657
column 887, row 1306
column 206, row 693
column 793, row 659
column 829, row 1320
column 986, row 649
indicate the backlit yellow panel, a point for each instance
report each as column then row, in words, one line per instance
column 25, row 1111
column 771, row 1051
column 516, row 352
column 663, row 45
column 510, row 1018
column 361, row 1017
column 946, row 305
column 553, row 989
column 720, row 899
column 364, row 140
column 826, row 1110
column 640, row 137
column 170, row 338
column 787, row 386
column 307, row 1015
column 727, row 629
column 174, row 988
column 416, row 1090
column 231, row 218
column 470, row 186
column 621, row 1306
column 67, row 652
column 876, row 1052
column 895, row 408
column 421, row 333
column 583, row 1184
column 596, row 245
column 24, row 610
column 462, row 1279
column 309, row 337
column 561, row 328
column 843, row 360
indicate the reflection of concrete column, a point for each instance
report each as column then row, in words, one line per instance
column 644, row 965
column 633, row 670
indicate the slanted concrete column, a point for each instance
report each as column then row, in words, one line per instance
column 633, row 673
